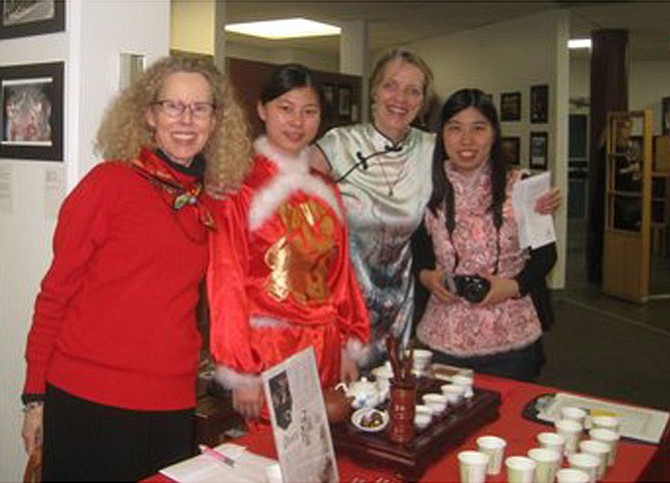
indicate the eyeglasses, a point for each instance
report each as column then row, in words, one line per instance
column 199, row 110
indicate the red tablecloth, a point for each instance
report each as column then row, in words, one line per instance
column 635, row 461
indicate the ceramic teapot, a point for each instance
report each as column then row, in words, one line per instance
column 338, row 404
column 366, row 393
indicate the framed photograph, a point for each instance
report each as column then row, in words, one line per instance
column 21, row 18
column 539, row 104
column 538, row 150
column 665, row 113
column 344, row 101
column 511, row 150
column 510, row 106
column 31, row 121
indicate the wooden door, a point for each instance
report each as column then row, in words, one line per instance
column 626, row 250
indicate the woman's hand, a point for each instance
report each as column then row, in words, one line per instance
column 433, row 280
column 348, row 368
column 32, row 428
column 549, row 202
column 248, row 400
column 501, row 289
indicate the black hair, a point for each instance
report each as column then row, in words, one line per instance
column 443, row 191
column 288, row 77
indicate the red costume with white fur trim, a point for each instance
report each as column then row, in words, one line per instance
column 280, row 279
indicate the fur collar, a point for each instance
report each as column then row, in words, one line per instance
column 293, row 174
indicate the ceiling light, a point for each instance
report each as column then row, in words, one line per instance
column 289, row 28
column 579, row 44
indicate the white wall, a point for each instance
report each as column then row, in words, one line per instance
column 648, row 83
column 512, row 56
column 96, row 33
column 191, row 26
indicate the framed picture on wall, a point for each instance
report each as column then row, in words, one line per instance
column 24, row 18
column 539, row 104
column 511, row 147
column 538, row 150
column 510, row 106
column 31, row 121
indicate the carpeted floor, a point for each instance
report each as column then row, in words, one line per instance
column 607, row 354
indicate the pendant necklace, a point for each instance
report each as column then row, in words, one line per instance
column 392, row 185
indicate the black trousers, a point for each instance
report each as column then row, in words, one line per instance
column 85, row 441
column 522, row 365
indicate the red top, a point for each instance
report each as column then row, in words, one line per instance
column 280, row 278
column 115, row 319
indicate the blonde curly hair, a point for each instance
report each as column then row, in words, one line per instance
column 124, row 129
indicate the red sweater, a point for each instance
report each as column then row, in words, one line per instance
column 115, row 320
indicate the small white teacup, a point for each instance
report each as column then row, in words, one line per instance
column 455, row 394
column 436, row 402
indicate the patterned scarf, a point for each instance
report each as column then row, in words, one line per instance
column 150, row 167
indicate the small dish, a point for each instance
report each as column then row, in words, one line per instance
column 370, row 420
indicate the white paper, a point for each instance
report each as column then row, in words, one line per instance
column 6, row 188
column 299, row 422
column 535, row 230
column 249, row 467
column 638, row 423
column 54, row 191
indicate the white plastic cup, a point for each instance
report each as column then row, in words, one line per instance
column 552, row 441
column 472, row 465
column 599, row 449
column 571, row 430
column 607, row 436
column 495, row 448
column 588, row 463
column 571, row 475
column 273, row 473
column 520, row 469
column 606, row 422
column 574, row 413
column 548, row 461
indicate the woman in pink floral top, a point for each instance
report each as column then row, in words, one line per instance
column 473, row 230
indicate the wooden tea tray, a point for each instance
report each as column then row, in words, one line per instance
column 441, row 435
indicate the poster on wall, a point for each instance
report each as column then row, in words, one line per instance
column 510, row 106
column 538, row 150
column 31, row 121
column 21, row 18
column 511, row 149
column 539, row 104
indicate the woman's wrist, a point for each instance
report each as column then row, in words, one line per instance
column 33, row 406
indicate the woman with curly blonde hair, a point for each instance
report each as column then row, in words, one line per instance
column 124, row 129
column 112, row 354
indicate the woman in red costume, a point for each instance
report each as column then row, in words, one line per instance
column 280, row 278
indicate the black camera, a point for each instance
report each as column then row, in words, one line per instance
column 472, row 288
